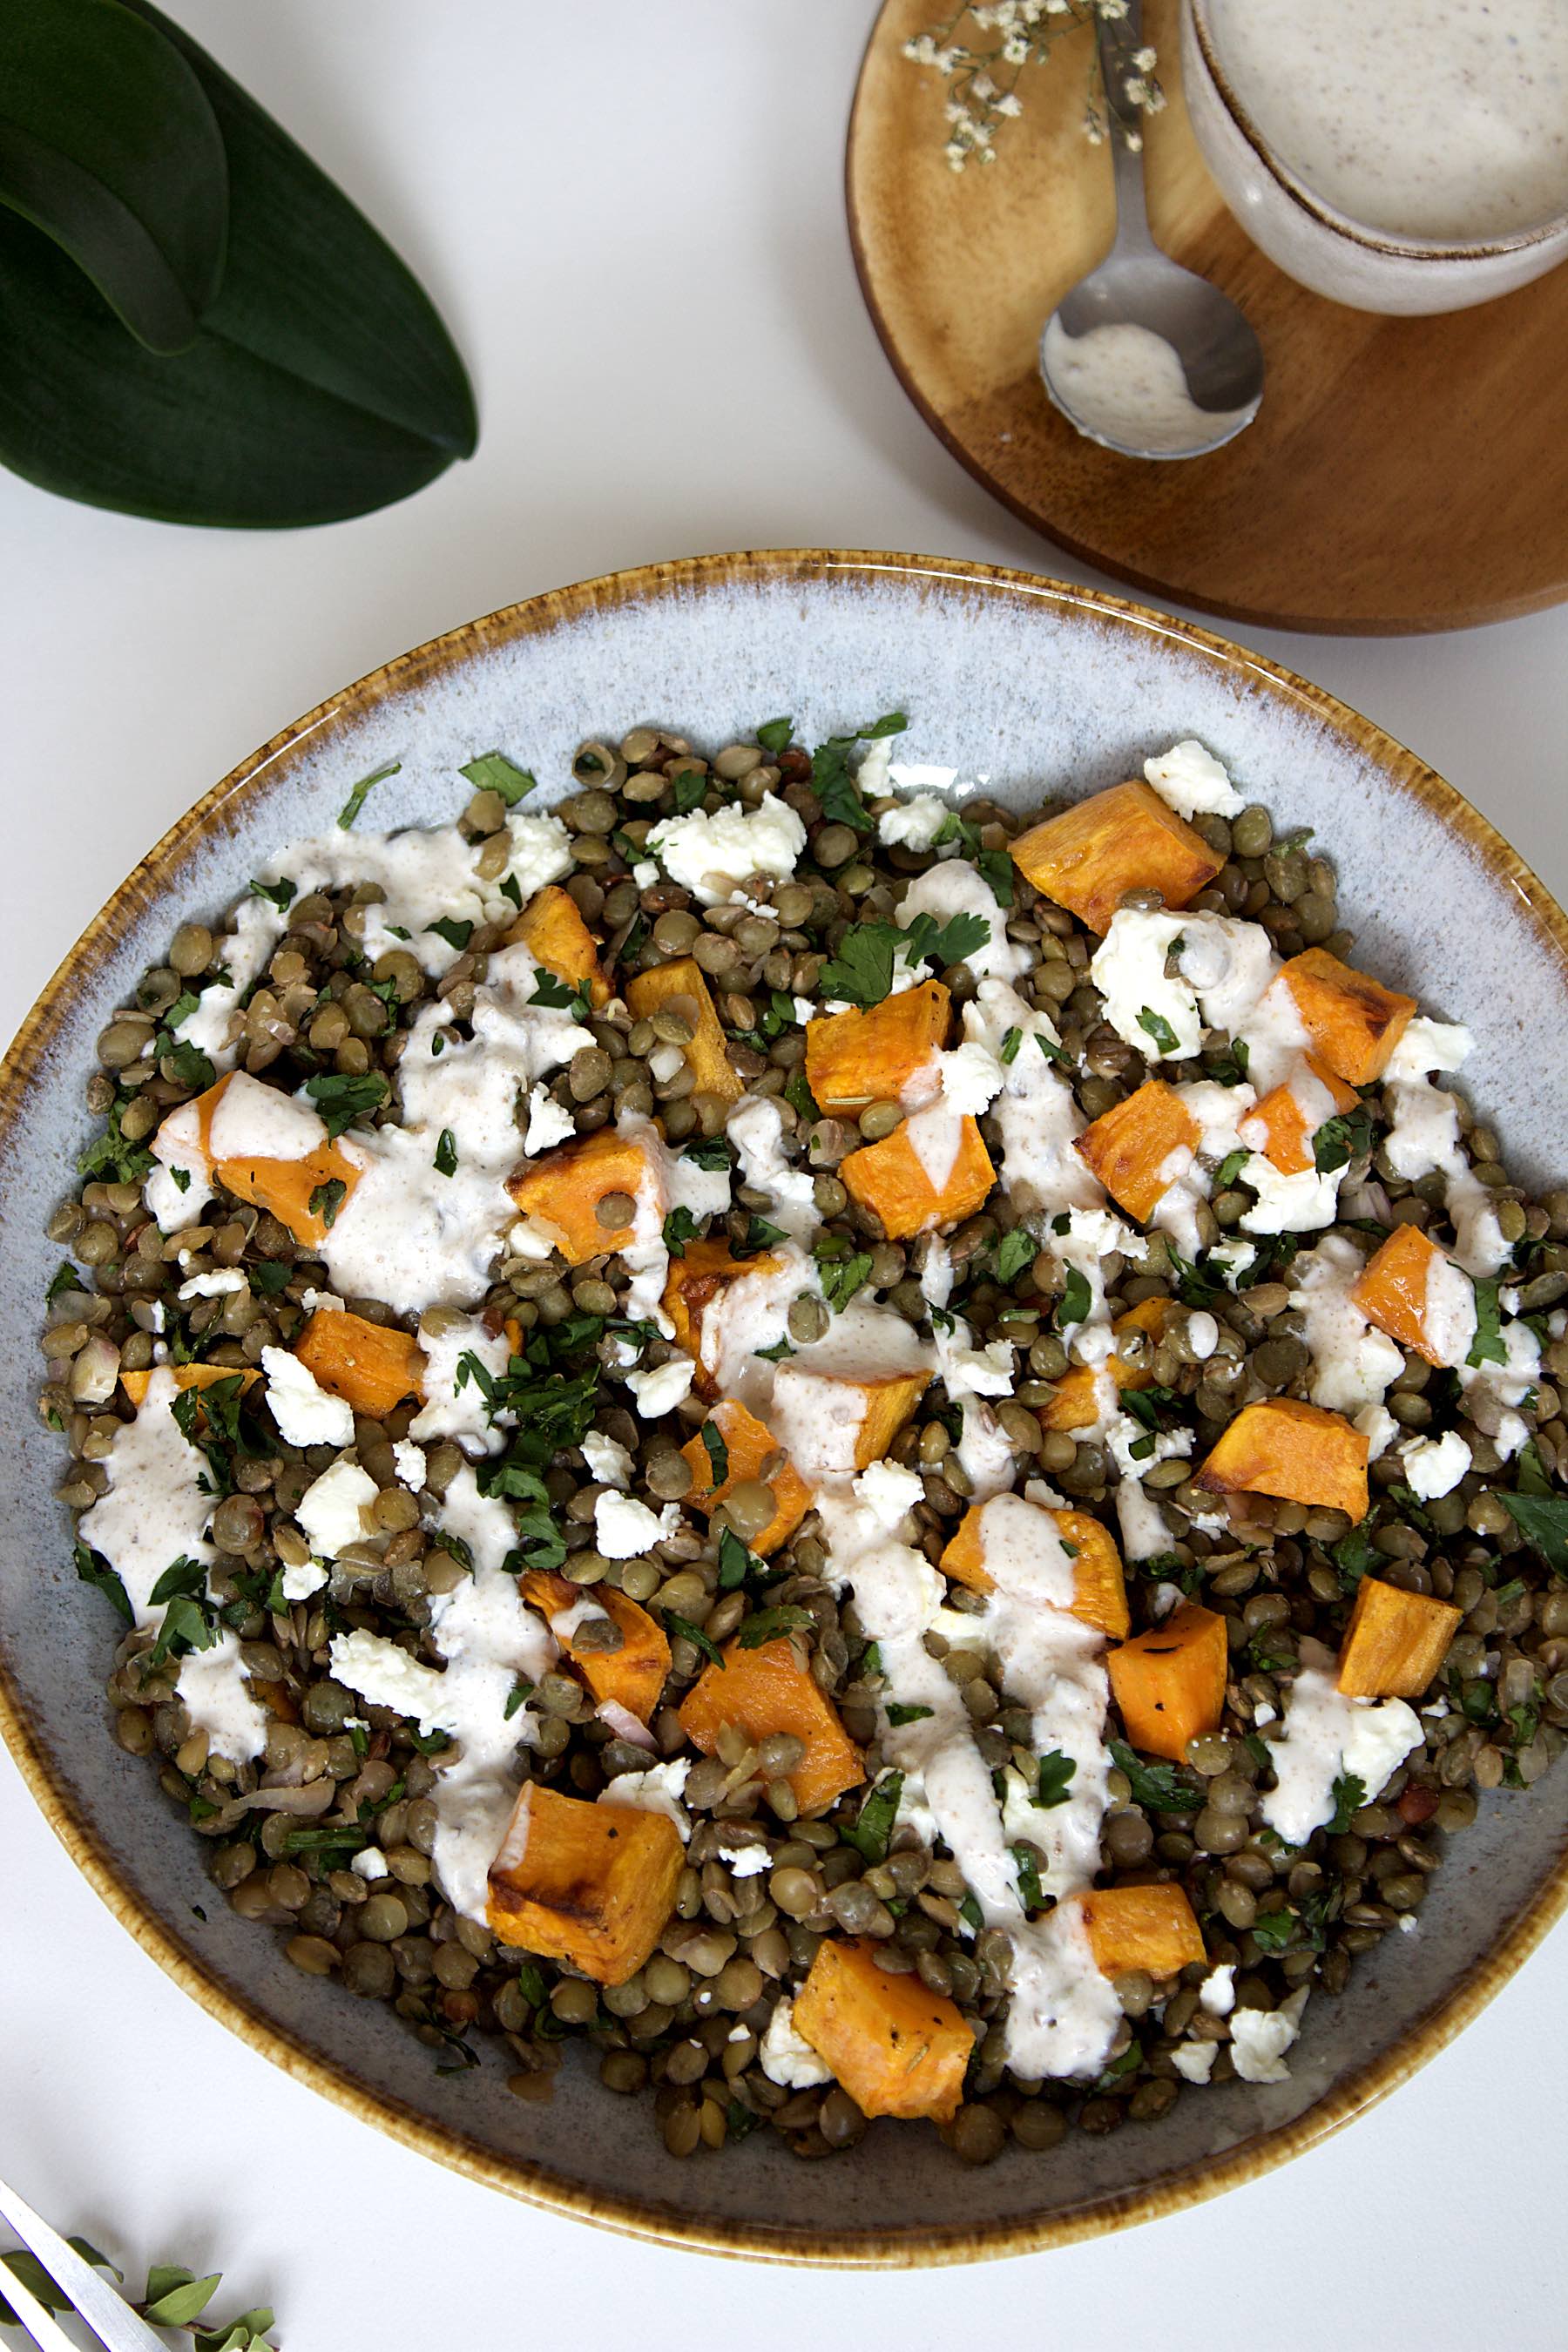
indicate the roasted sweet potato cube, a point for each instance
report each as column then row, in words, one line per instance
column 1353, row 1022
column 1100, row 1587
column 680, row 987
column 301, row 1192
column 1090, row 857
column 591, row 1884
column 754, row 1457
column 372, row 1366
column 185, row 1376
column 1169, row 1683
column 888, row 1179
column 696, row 1280
column 898, row 2048
column 1283, row 1124
column 767, row 1689
column 1407, row 1291
column 1076, row 1400
column 551, row 928
column 561, row 1194
column 1299, row 1451
column 631, row 1676
column 1132, row 1146
column 1151, row 1929
column 852, row 1418
column 1395, row 1640
column 854, row 1058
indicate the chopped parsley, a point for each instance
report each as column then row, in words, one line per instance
column 771, row 1625
column 492, row 771
column 830, row 778
column 1543, row 1522
column 1230, row 1168
column 456, row 934
column 1487, row 1348
column 92, row 1568
column 559, row 995
column 65, row 1277
column 361, row 791
column 841, row 1278
column 109, row 1157
column 281, row 894
column 1341, row 1139
column 1158, row 1788
column 712, row 1151
column 1350, row 1795
column 861, row 971
column 689, row 790
column 1010, row 1044
column 899, row 1714
column 327, row 1200
column 446, row 1160
column 683, row 1630
column 1055, row 1775
column 717, row 1450
column 777, row 735
column 1076, row 1300
column 1031, row 1894
column 1014, row 1252
column 342, row 1099
column 874, row 1825
column 1156, row 1026
column 680, row 1227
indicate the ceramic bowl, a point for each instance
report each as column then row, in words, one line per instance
column 1034, row 687
column 1323, row 249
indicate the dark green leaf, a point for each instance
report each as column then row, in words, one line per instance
column 1051, row 1050
column 898, row 1715
column 1229, row 1068
column 682, row 1628
column 515, row 1698
column 1275, row 1930
column 1156, row 1026
column 761, row 1235
column 1531, row 1471
column 775, row 1354
column 689, row 791
column 361, row 791
column 735, row 1562
column 680, row 1227
column 64, row 1278
column 327, row 1200
column 240, row 2335
column 1055, row 1774
column 1349, row 1795
column 947, row 944
column 969, row 1910
column 492, row 771
column 94, row 1570
column 456, row 934
column 1014, row 1252
column 187, row 1625
column 996, row 869
column 181, row 1178
column 771, row 1625
column 1076, row 1300
column 712, row 1152
column 1230, row 1168
column 107, row 1157
column 1487, row 1348
column 841, row 1278
column 1158, row 1788
column 445, row 1541
column 281, row 895
column 1031, row 1894
column 183, row 1575
column 342, row 1099
column 1143, row 1404
column 1544, row 1521
column 777, row 734
column 187, row 1066
column 270, row 1276
column 108, row 143
column 1010, row 1044
column 446, row 1161
column 1341, row 1140
column 717, row 1450
column 559, row 995
column 321, row 382
column 799, row 1096
column 1354, row 1555
column 874, row 1825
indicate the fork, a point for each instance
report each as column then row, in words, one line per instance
column 113, row 2323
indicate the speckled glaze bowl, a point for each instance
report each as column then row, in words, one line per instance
column 1036, row 688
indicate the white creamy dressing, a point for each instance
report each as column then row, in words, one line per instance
column 448, row 1411
column 756, row 1130
column 1327, row 1735
column 1353, row 1361
column 1424, row 1140
column 1036, row 1117
column 155, row 1513
column 1124, row 386
column 1426, row 119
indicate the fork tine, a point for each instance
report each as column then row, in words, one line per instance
column 109, row 2316
column 41, row 2325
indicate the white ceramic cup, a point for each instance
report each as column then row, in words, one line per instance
column 1323, row 249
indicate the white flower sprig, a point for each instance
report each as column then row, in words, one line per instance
column 983, row 78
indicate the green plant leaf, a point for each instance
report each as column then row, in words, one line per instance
column 321, row 382
column 109, row 146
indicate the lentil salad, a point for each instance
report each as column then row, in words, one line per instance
column 328, row 1586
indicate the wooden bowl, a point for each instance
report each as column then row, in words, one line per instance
column 1037, row 687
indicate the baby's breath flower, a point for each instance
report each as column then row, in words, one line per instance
column 1010, row 103
column 978, row 104
column 1145, row 60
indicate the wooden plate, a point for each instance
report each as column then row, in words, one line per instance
column 1403, row 474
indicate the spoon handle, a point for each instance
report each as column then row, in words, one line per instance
column 1117, row 39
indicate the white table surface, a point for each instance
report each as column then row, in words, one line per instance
column 636, row 236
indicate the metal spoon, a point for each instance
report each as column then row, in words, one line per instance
column 1120, row 389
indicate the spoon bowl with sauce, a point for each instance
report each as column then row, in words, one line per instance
column 1141, row 355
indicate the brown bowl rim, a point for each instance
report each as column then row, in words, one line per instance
column 160, row 872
